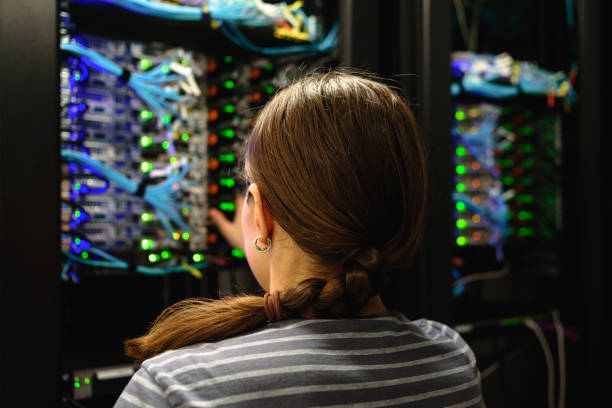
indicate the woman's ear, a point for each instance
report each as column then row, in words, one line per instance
column 263, row 220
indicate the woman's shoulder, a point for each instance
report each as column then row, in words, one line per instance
column 285, row 337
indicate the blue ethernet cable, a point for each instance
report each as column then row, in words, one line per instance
column 230, row 14
column 149, row 86
column 116, row 263
column 160, row 196
column 233, row 33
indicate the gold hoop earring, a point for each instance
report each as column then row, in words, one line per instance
column 257, row 248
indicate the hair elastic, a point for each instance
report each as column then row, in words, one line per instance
column 272, row 306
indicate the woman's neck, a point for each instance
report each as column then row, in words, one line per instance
column 373, row 306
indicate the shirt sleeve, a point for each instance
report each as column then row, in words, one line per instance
column 143, row 392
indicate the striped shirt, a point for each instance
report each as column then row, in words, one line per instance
column 380, row 361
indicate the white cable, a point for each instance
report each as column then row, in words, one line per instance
column 562, row 360
column 550, row 365
column 489, row 370
column 500, row 273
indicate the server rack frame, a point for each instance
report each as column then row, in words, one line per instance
column 29, row 217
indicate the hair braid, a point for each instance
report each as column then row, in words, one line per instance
column 193, row 321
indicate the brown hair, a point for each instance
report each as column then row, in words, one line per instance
column 339, row 162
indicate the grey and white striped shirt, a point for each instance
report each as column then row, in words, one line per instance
column 379, row 361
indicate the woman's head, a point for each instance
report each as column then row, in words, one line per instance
column 337, row 161
column 338, row 183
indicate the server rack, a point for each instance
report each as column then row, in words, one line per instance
column 419, row 32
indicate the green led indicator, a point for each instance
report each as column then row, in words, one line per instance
column 77, row 385
column 146, row 167
column 460, row 206
column 146, row 141
column 165, row 144
column 524, row 198
column 77, row 214
column 229, row 133
column 153, row 258
column 197, row 257
column 87, row 380
column 269, row 66
column 146, row 244
column 227, row 206
column 77, row 186
column 165, row 69
column 461, row 223
column 146, row 217
column 84, row 255
column 525, row 215
column 185, row 136
column 227, row 182
column 166, row 119
column 185, row 236
column 528, row 148
column 77, row 241
column 77, row 77
column 508, row 180
column 460, row 169
column 461, row 151
column 526, row 131
column 166, row 254
column 461, row 241
column 184, row 63
column 185, row 211
column 229, row 84
column 228, row 59
column 236, row 253
column 511, row 321
column 146, row 115
column 145, row 64
column 524, row 231
column 460, row 115
column 227, row 158
column 506, row 163
column 460, row 187
column 269, row 89
column 229, row 109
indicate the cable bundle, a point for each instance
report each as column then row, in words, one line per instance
column 290, row 21
column 159, row 87
column 160, row 196
column 500, row 76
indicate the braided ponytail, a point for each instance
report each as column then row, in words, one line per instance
column 193, row 321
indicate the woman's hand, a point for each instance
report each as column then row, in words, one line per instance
column 231, row 230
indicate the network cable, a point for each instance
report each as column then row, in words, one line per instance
column 500, row 77
column 116, row 263
column 160, row 196
column 158, row 87
column 234, row 34
column 290, row 21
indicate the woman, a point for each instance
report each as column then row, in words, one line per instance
column 335, row 200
